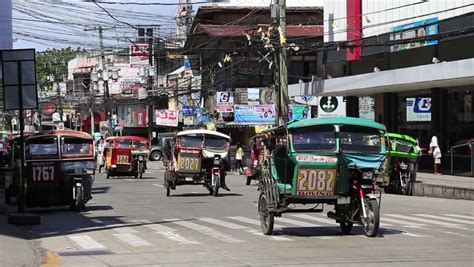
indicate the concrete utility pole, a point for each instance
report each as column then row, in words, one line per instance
column 282, row 68
column 150, row 39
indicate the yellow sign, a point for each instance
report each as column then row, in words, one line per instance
column 316, row 182
column 261, row 128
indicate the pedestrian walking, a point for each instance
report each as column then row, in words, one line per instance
column 239, row 157
column 100, row 153
column 435, row 151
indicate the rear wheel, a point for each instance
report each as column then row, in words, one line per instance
column 372, row 222
column 216, row 186
column 156, row 155
column 346, row 227
column 78, row 204
column 168, row 189
column 249, row 179
column 267, row 219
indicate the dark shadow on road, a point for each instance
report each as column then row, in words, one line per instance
column 205, row 194
column 100, row 190
column 98, row 207
column 330, row 231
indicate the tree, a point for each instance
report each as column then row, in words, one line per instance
column 53, row 61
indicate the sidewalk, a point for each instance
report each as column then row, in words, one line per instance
column 444, row 186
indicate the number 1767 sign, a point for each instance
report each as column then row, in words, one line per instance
column 43, row 174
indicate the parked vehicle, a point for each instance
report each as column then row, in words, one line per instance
column 60, row 169
column 126, row 156
column 323, row 161
column 158, row 146
column 198, row 157
column 402, row 164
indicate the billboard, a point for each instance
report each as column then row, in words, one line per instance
column 166, row 117
column 298, row 112
column 418, row 109
column 414, row 30
column 256, row 114
column 332, row 106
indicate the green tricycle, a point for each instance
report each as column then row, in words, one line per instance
column 323, row 161
column 402, row 163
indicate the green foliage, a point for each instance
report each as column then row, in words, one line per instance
column 53, row 61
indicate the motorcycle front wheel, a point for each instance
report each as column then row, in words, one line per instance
column 372, row 222
column 216, row 186
column 405, row 188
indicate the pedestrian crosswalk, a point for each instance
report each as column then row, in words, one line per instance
column 142, row 234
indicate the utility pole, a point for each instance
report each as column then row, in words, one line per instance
column 150, row 41
column 282, row 68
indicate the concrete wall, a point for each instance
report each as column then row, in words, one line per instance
column 380, row 17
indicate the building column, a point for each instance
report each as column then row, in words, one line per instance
column 439, row 117
column 352, row 106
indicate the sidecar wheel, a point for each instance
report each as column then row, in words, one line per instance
column 371, row 224
column 168, row 189
column 267, row 219
column 346, row 227
column 249, row 179
column 211, row 191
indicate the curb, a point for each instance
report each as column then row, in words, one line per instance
column 441, row 191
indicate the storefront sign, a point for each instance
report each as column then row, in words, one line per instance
column 414, row 30
column 253, row 96
column 138, row 55
column 307, row 100
column 298, row 112
column 225, row 98
column 223, row 108
column 167, row 117
column 332, row 106
column 188, row 111
column 366, row 107
column 261, row 128
column 418, row 109
column 263, row 114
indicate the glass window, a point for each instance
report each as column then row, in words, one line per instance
column 401, row 145
column 75, row 146
column 216, row 142
column 191, row 141
column 140, row 144
column 360, row 139
column 315, row 138
column 123, row 144
column 45, row 146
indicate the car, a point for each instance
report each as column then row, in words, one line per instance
column 158, row 144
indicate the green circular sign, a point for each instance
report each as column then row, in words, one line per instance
column 328, row 103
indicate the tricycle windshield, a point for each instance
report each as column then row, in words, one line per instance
column 314, row 138
column 123, row 144
column 75, row 146
column 191, row 141
column 360, row 139
column 43, row 147
column 216, row 142
column 401, row 145
column 140, row 144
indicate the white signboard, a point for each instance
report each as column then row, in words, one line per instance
column 166, row 117
column 418, row 109
column 139, row 55
column 307, row 100
column 332, row 106
column 225, row 98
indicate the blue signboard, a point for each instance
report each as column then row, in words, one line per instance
column 414, row 30
column 255, row 114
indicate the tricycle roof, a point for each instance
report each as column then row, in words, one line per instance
column 61, row 133
column 202, row 132
column 337, row 121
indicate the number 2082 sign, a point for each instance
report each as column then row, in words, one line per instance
column 43, row 174
column 316, row 182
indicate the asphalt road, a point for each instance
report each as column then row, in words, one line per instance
column 131, row 222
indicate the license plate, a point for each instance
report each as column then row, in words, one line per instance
column 315, row 182
column 122, row 159
column 189, row 163
column 189, row 179
column 44, row 173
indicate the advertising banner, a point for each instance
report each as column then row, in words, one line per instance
column 166, row 117
column 225, row 108
column 225, row 98
column 257, row 114
column 298, row 112
column 138, row 55
column 192, row 65
column 332, row 106
column 367, row 108
column 418, row 109
column 253, row 96
column 188, row 120
column 307, row 100
column 414, row 30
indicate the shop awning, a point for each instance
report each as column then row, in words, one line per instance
column 445, row 74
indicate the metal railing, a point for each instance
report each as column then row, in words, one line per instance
column 470, row 144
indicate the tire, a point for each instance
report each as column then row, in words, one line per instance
column 156, row 155
column 346, row 227
column 371, row 225
column 140, row 171
column 211, row 191
column 168, row 189
column 267, row 219
column 78, row 204
column 108, row 174
column 216, row 188
column 406, row 190
column 249, row 179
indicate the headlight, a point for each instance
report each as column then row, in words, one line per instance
column 140, row 157
column 403, row 166
column 368, row 175
column 217, row 161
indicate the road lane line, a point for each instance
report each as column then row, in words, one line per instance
column 460, row 216
column 206, row 231
column 132, row 240
column 272, row 237
column 298, row 223
column 159, row 185
column 445, row 219
column 314, row 218
column 223, row 223
column 125, row 230
column 404, row 223
column 251, row 221
column 130, row 180
column 166, row 232
column 86, row 242
column 414, row 235
column 422, row 220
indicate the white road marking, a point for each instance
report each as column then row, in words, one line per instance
column 456, row 234
column 272, row 237
column 251, row 221
column 409, row 224
column 298, row 223
column 445, row 219
column 460, row 216
column 132, row 240
column 414, row 235
column 125, row 230
column 207, row 231
column 224, row 223
column 167, row 232
column 130, row 180
column 155, row 226
column 86, row 242
column 314, row 218
column 422, row 220
column 159, row 185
